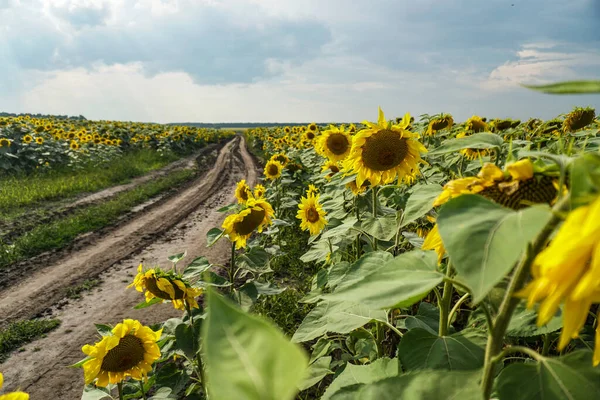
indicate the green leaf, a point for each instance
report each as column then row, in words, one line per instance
column 246, row 357
column 145, row 304
column 342, row 231
column 227, row 208
column 523, row 323
column 213, row 235
column 195, row 269
column 401, row 282
column 382, row 228
column 418, row 385
column 585, row 179
column 184, row 339
column 94, row 393
column 420, row 202
column 104, row 330
column 484, row 240
column 339, row 317
column 420, row 349
column 361, row 374
column 345, row 274
column 569, row 377
column 255, row 259
column 474, row 141
column 80, row 363
column 318, row 252
column 177, row 257
column 427, row 317
column 316, row 372
column 568, row 87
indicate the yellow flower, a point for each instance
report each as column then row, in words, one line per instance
column 282, row 158
column 27, row 138
column 383, row 152
column 440, row 123
column 242, row 192
column 12, row 395
column 334, row 143
column 312, row 190
column 476, row 124
column 521, row 170
column 312, row 215
column 331, row 166
column 356, row 190
column 259, row 191
column 457, row 187
column 579, row 118
column 129, row 351
column 273, row 169
column 255, row 216
column 433, row 241
column 74, row 145
column 4, row 142
column 165, row 286
column 568, row 271
column 39, row 140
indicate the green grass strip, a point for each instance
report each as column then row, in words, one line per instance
column 59, row 233
column 21, row 332
column 20, row 191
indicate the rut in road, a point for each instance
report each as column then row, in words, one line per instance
column 41, row 369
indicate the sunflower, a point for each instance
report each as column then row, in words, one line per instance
column 273, row 169
column 579, row 118
column 39, row 140
column 476, row 124
column 282, row 158
column 27, row 139
column 440, row 123
column 242, row 192
column 433, row 241
column 568, row 271
column 259, row 191
column 355, row 189
column 128, row 352
column 498, row 125
column 334, row 143
column 166, row 285
column 472, row 154
column 74, row 145
column 312, row 190
column 4, row 142
column 312, row 215
column 331, row 166
column 255, row 216
column 383, row 152
column 12, row 395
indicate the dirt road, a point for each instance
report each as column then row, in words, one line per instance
column 176, row 225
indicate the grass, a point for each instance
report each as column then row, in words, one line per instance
column 59, row 233
column 22, row 191
column 19, row 333
column 87, row 285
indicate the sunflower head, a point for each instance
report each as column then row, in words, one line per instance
column 355, row 189
column 281, row 157
column 476, row 124
column 334, row 143
column 440, row 123
column 129, row 351
column 166, row 285
column 259, row 191
column 74, row 145
column 332, row 167
column 27, row 138
column 383, row 151
column 12, row 395
column 312, row 215
column 4, row 142
column 312, row 190
column 257, row 214
column 273, row 169
column 39, row 140
column 578, row 119
column 498, row 125
column 242, row 192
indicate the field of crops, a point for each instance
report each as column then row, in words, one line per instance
column 415, row 257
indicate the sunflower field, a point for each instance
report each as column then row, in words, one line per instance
column 406, row 258
column 29, row 143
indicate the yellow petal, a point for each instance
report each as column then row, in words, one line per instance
column 490, row 173
column 521, row 170
column 381, row 121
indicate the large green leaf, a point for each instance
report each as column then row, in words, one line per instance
column 523, row 323
column 345, row 274
column 246, row 357
column 360, row 374
column 570, row 377
column 568, row 87
column 336, row 316
column 427, row 317
column 418, row 385
column 474, row 141
column 420, row 202
column 585, row 179
column 382, row 228
column 401, row 282
column 484, row 240
column 420, row 349
column 316, row 372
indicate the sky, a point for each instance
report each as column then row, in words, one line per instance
column 294, row 60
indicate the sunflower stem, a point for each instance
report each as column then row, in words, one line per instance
column 120, row 389
column 445, row 303
column 457, row 306
column 510, row 302
column 374, row 209
column 196, row 340
column 142, row 389
column 358, row 250
column 231, row 271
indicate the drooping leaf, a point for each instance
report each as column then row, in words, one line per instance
column 184, row 340
column 420, row 202
column 345, row 274
column 418, row 385
column 568, row 87
column 569, row 377
column 361, row 374
column 401, row 282
column 254, row 259
column 145, row 303
column 177, row 257
column 316, row 372
column 246, row 357
column 336, row 316
column 213, row 235
column 484, row 240
column 474, row 141
column 382, row 228
column 421, row 349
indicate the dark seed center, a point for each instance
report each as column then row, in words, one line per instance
column 153, row 288
column 384, row 150
column 337, row 144
column 312, row 215
column 250, row 222
column 273, row 170
column 126, row 355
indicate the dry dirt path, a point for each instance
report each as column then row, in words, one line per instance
column 177, row 225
